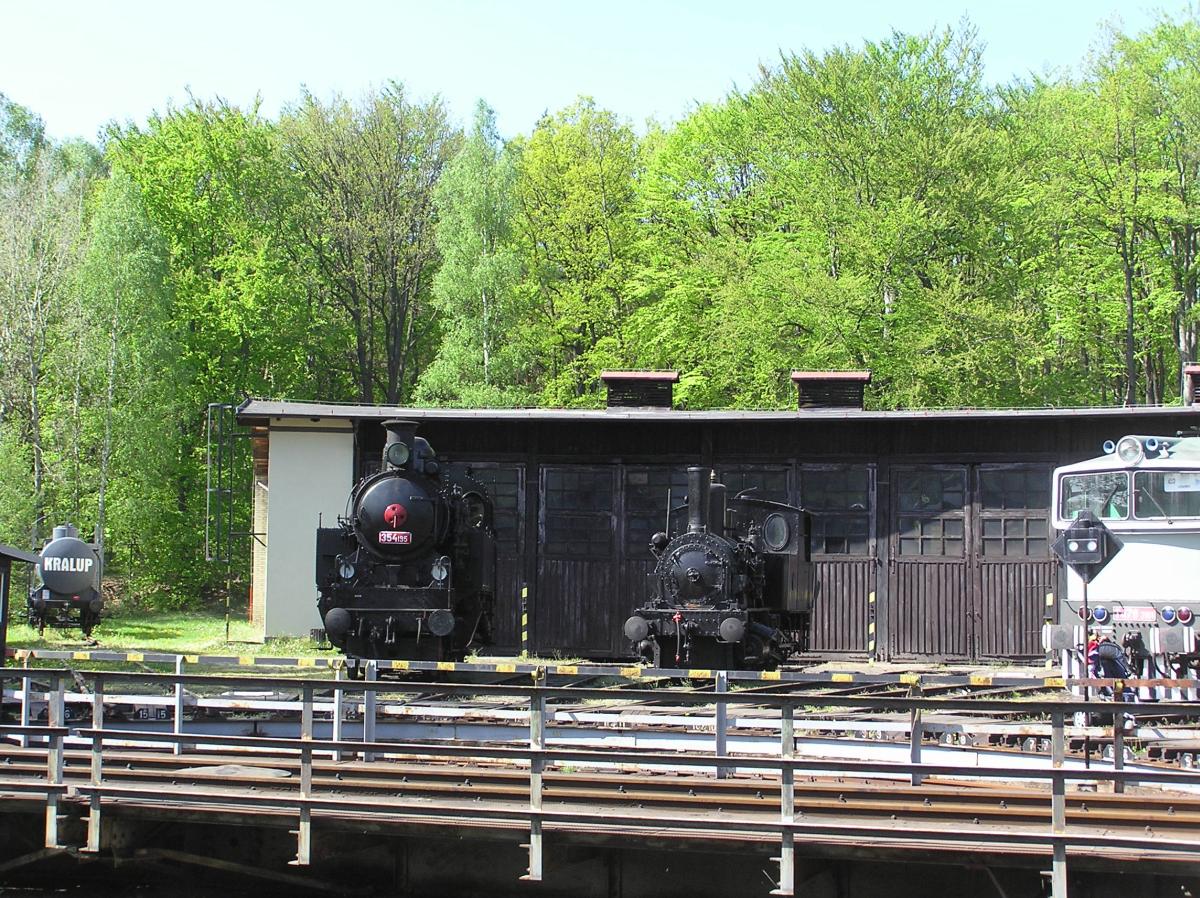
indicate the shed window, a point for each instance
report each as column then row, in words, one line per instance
column 840, row 502
column 766, row 483
column 931, row 521
column 504, row 485
column 578, row 512
column 646, row 493
column 1013, row 505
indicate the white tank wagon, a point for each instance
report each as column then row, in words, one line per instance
column 1146, row 492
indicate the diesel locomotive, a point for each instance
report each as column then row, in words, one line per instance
column 409, row 571
column 1142, row 603
column 67, row 593
column 730, row 591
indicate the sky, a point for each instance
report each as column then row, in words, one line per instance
column 83, row 63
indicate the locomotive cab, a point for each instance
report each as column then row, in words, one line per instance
column 1145, row 491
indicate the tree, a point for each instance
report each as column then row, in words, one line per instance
column 577, row 228
column 40, row 226
column 367, row 220
column 479, row 361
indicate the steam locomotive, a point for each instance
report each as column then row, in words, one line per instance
column 409, row 571
column 68, row 590
column 729, row 592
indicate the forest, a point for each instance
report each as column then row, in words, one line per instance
column 877, row 206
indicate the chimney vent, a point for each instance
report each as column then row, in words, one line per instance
column 1191, row 384
column 640, row 389
column 831, row 389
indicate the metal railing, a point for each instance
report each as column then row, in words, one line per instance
column 539, row 752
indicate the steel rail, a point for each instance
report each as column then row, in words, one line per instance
column 885, row 703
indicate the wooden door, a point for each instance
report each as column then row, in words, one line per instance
column 1016, row 568
column 841, row 499
column 930, row 608
column 577, row 606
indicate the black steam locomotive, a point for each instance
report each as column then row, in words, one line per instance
column 409, row 570
column 730, row 591
column 68, row 590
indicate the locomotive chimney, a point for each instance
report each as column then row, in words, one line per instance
column 397, row 432
column 698, row 479
column 717, row 503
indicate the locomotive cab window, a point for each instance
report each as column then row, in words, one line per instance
column 1105, row 495
column 1162, row 495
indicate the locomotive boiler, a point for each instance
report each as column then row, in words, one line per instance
column 728, row 592
column 409, row 570
column 67, row 593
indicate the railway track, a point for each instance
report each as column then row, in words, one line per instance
column 936, row 801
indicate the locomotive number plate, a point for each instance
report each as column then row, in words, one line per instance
column 395, row 537
column 1135, row 614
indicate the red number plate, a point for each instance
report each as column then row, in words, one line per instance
column 395, row 537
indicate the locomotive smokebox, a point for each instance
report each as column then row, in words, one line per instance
column 400, row 434
column 698, row 478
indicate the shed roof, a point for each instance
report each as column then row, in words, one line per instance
column 12, row 553
column 261, row 410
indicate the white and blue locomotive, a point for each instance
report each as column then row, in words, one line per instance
column 409, row 571
column 1146, row 492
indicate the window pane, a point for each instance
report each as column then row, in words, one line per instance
column 646, row 494
column 1106, row 495
column 1166, row 494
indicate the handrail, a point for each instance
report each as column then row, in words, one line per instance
column 537, row 753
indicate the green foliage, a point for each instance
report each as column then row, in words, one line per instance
column 481, row 361
column 876, row 206
column 576, row 230
column 365, row 216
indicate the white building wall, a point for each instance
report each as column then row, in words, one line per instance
column 309, row 474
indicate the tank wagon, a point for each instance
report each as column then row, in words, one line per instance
column 67, row 592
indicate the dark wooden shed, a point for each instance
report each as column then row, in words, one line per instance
column 931, row 528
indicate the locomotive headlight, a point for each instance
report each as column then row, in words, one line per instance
column 776, row 532
column 1129, row 450
column 1092, row 545
column 397, row 454
column 440, row 569
column 1073, row 545
column 346, row 570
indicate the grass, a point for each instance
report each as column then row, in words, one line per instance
column 172, row 632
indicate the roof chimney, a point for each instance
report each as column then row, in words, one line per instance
column 633, row 389
column 1191, row 384
column 831, row 389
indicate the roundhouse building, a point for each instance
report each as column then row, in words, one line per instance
column 931, row 534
